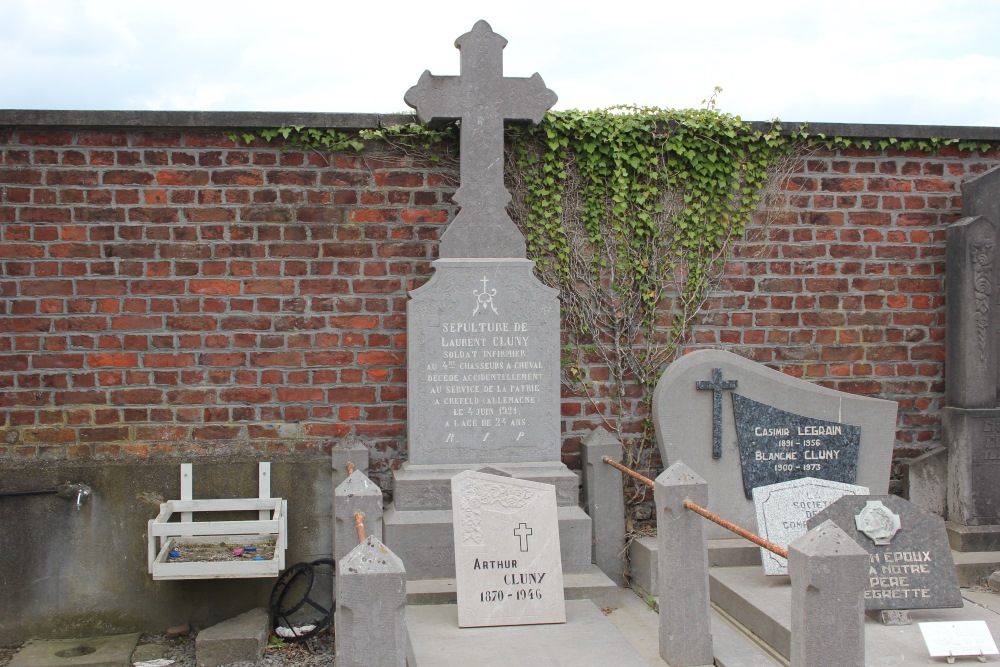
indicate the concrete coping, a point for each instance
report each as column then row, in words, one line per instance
column 357, row 121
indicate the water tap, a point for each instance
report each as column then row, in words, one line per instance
column 77, row 492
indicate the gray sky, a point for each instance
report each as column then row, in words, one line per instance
column 872, row 61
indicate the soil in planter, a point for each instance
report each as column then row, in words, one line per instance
column 199, row 552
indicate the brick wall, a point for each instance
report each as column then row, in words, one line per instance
column 164, row 292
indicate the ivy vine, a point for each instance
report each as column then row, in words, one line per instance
column 631, row 212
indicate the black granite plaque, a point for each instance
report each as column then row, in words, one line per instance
column 914, row 569
column 777, row 446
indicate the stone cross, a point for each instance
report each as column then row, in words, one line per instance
column 523, row 532
column 482, row 99
column 717, row 385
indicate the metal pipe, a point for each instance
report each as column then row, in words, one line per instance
column 359, row 523
column 715, row 518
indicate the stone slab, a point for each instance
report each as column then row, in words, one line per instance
column 644, row 558
column 926, row 479
column 428, row 487
column 778, row 446
column 508, row 567
column 784, row 508
column 591, row 584
column 239, row 639
column 586, row 639
column 974, row 567
column 762, row 605
column 973, row 538
column 483, row 360
column 424, row 540
column 911, row 566
column 107, row 651
column 973, row 440
column 685, row 415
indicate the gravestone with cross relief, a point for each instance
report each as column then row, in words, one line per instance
column 483, row 333
column 741, row 425
column 507, row 563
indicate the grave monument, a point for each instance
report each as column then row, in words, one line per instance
column 741, row 425
column 910, row 563
column 971, row 420
column 482, row 334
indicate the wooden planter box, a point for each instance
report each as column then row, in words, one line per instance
column 175, row 528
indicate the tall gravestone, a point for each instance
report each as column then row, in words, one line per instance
column 971, row 420
column 483, row 333
column 741, row 425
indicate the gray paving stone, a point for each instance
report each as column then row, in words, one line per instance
column 108, row 651
column 239, row 639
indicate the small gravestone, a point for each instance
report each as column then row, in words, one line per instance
column 784, row 508
column 910, row 562
column 740, row 425
column 508, row 569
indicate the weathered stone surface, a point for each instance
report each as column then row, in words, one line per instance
column 483, row 359
column 349, row 450
column 108, row 651
column 973, row 438
column 926, row 478
column 682, row 569
column 357, row 494
column 508, row 569
column 827, row 571
column 604, row 500
column 970, row 344
column 915, row 569
column 784, row 508
column 483, row 99
column 371, row 607
column 684, row 422
column 240, row 639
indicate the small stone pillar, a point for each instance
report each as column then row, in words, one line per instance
column 352, row 450
column 828, row 570
column 371, row 607
column 604, row 500
column 682, row 570
column 356, row 494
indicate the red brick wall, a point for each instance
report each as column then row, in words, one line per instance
column 170, row 293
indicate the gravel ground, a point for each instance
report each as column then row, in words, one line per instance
column 313, row 653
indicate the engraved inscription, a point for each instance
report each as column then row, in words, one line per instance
column 982, row 283
column 990, row 451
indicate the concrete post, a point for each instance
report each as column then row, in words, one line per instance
column 349, row 449
column 828, row 570
column 604, row 501
column 682, row 570
column 356, row 494
column 371, row 607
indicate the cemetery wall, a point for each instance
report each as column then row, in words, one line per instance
column 167, row 293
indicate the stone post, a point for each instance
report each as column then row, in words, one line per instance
column 348, row 450
column 371, row 607
column 356, row 494
column 827, row 569
column 604, row 501
column 682, row 574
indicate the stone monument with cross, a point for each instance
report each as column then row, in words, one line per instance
column 482, row 334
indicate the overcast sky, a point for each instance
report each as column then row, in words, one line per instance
column 871, row 61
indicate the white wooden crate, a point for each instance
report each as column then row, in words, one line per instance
column 165, row 533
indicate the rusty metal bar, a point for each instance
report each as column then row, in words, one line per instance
column 359, row 523
column 350, row 468
column 697, row 509
column 631, row 473
column 742, row 532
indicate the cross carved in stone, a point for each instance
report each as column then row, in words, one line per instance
column 716, row 385
column 482, row 98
